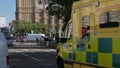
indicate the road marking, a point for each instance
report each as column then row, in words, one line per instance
column 26, row 49
column 31, row 57
column 35, row 50
column 24, row 54
column 36, row 59
column 28, row 56
column 17, row 51
column 32, row 50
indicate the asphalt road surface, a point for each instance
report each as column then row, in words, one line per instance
column 30, row 55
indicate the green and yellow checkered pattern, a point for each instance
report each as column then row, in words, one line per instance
column 102, row 52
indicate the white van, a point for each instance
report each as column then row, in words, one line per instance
column 33, row 37
column 4, row 58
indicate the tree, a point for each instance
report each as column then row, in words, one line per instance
column 61, row 9
column 26, row 27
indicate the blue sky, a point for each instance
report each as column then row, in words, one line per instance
column 7, row 9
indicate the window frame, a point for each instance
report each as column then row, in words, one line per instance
column 86, row 17
column 107, row 20
column 84, row 20
column 39, row 2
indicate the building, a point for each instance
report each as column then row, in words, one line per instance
column 55, row 25
column 3, row 22
column 27, row 10
column 35, row 11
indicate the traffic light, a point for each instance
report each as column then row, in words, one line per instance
column 11, row 29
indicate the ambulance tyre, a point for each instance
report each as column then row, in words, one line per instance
column 60, row 63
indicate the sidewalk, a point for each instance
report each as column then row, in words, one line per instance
column 24, row 43
column 50, row 44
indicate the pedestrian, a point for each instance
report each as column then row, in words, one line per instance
column 57, row 37
column 36, row 40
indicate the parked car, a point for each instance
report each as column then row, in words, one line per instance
column 4, row 57
column 10, row 41
column 35, row 37
column 21, row 39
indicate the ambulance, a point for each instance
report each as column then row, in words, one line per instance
column 92, row 38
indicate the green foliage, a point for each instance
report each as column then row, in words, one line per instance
column 26, row 27
column 61, row 9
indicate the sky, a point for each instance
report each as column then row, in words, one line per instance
column 7, row 9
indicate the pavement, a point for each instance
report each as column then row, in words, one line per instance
column 51, row 44
column 31, row 55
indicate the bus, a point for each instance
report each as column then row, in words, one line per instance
column 92, row 38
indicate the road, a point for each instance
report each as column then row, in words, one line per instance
column 30, row 55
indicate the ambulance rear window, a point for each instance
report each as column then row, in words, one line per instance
column 85, row 23
column 109, row 19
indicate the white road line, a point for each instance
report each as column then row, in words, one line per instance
column 30, row 57
column 24, row 54
column 17, row 51
column 25, row 49
column 36, row 50
column 36, row 59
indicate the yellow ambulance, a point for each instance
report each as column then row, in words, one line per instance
column 92, row 38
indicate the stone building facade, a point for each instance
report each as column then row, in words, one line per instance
column 35, row 11
column 27, row 10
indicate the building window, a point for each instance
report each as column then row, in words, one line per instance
column 49, row 19
column 109, row 19
column 39, row 2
